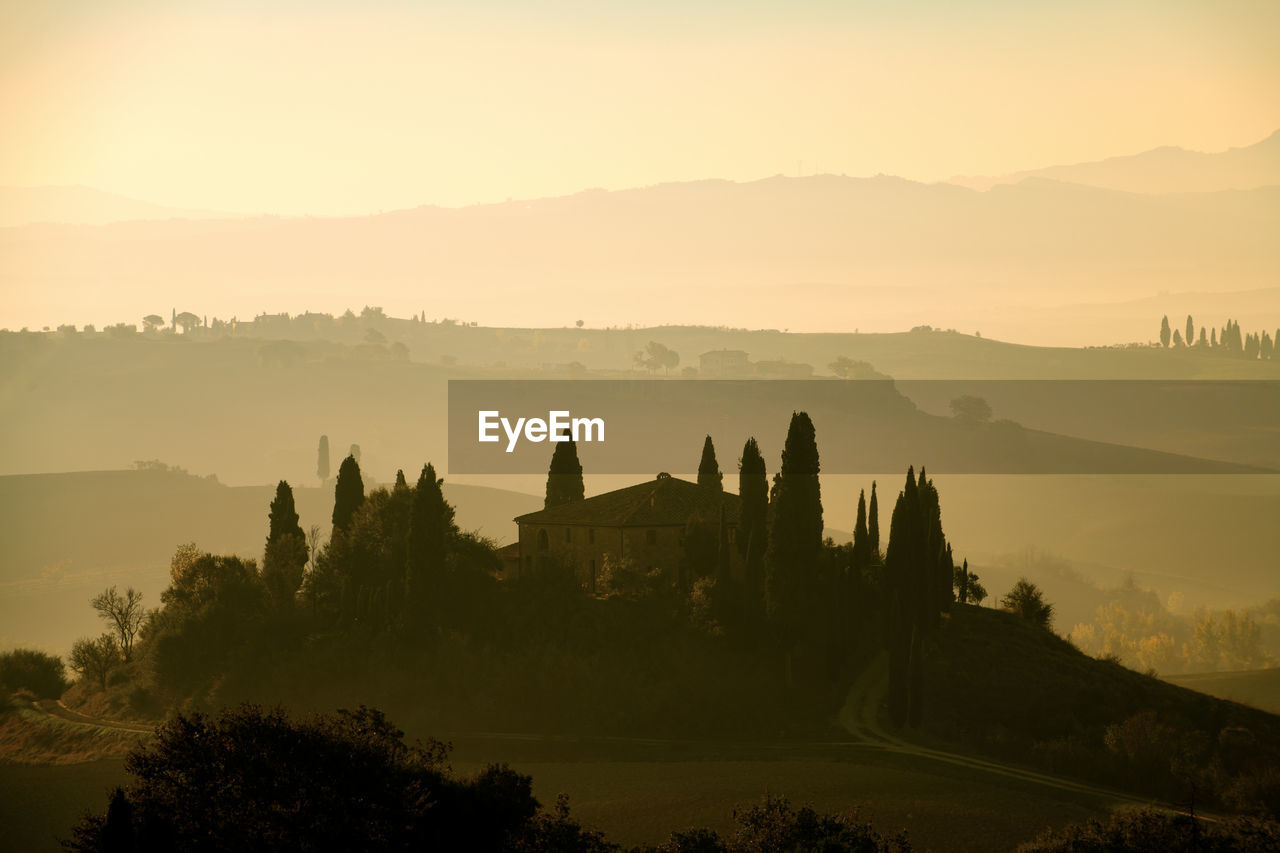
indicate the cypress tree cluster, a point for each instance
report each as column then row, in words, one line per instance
column 919, row 574
column 392, row 552
column 1230, row 340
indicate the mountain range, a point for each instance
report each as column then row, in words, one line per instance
column 817, row 253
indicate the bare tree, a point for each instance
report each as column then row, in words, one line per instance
column 95, row 658
column 123, row 612
column 313, row 545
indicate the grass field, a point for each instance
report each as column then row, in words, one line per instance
column 1257, row 687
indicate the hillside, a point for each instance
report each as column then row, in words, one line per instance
column 1259, row 688
column 64, row 537
column 998, row 684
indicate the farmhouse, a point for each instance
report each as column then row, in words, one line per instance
column 645, row 523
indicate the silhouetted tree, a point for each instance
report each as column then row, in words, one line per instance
column 655, row 356
column 961, row 582
column 251, row 779
column 1165, row 331
column 708, row 469
column 286, row 550
column 873, row 524
column 1026, row 600
column 1177, row 338
column 41, row 673
column 94, row 659
column 861, row 538
column 795, row 531
column 348, row 494
column 970, row 408
column 124, row 613
column 1190, row 335
column 322, row 459
column 430, row 526
column 564, row 476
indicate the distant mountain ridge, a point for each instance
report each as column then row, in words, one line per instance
column 79, row 205
column 1167, row 169
column 817, row 253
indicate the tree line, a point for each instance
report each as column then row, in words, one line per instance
column 1253, row 346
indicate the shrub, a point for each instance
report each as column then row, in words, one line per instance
column 43, row 674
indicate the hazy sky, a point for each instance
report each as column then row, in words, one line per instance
column 324, row 107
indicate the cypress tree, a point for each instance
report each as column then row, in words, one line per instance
column 286, row 548
column 564, row 476
column 795, row 530
column 322, row 459
column 861, row 539
column 753, row 489
column 348, row 494
column 709, row 475
column 283, row 517
column 430, row 527
column 1165, row 331
column 401, row 483
column 1191, row 331
column 1213, row 338
column 873, row 524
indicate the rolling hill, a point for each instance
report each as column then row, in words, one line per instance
column 1168, row 169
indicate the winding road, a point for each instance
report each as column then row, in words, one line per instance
column 860, row 717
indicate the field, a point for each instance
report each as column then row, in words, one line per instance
column 1259, row 688
column 637, row 799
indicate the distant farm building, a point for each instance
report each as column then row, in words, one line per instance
column 645, row 524
column 724, row 363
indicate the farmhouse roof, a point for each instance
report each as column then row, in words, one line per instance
column 662, row 502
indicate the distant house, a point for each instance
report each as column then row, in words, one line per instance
column 783, row 369
column 724, row 363
column 644, row 523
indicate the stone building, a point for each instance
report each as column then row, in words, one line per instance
column 645, row 523
column 724, row 363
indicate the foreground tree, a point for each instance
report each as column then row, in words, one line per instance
column 1165, row 331
column 709, row 474
column 1026, row 600
column 255, row 780
column 753, row 519
column 93, row 660
column 430, row 528
column 41, row 673
column 773, row 824
column 795, row 534
column 124, row 613
column 348, row 494
column 286, row 550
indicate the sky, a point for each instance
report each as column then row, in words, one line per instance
column 332, row 108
